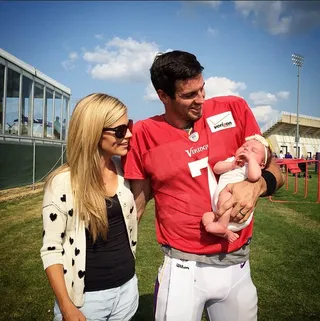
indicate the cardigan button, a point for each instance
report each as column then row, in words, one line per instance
column 124, row 204
column 119, row 193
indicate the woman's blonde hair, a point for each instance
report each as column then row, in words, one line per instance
column 91, row 114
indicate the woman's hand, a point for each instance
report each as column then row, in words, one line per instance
column 72, row 313
column 68, row 310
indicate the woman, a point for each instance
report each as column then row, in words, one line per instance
column 89, row 218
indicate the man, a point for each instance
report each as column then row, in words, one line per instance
column 56, row 128
column 282, row 167
column 170, row 158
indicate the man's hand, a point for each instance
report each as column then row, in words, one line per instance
column 244, row 196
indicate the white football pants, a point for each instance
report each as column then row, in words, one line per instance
column 185, row 288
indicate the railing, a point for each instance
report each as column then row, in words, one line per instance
column 292, row 165
column 270, row 124
column 28, row 139
column 301, row 116
column 278, row 118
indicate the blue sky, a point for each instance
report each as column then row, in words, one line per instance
column 245, row 47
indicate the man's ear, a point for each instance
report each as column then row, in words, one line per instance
column 262, row 165
column 163, row 96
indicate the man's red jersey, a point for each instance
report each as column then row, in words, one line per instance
column 177, row 165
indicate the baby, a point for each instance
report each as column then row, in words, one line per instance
column 249, row 160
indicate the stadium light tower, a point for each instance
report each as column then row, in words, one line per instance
column 297, row 61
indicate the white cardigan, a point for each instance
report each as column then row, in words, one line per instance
column 64, row 240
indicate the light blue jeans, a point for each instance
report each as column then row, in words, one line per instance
column 116, row 304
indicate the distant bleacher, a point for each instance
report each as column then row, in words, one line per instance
column 281, row 134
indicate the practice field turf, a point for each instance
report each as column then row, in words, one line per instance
column 285, row 259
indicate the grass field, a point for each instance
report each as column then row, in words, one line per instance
column 284, row 259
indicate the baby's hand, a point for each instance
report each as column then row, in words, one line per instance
column 235, row 164
column 250, row 156
column 241, row 160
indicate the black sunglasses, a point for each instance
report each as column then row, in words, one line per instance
column 120, row 131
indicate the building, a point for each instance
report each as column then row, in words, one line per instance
column 281, row 134
column 34, row 118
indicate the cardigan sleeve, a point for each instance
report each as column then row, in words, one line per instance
column 54, row 216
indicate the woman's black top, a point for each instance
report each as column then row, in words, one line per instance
column 109, row 263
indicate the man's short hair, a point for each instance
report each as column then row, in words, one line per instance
column 169, row 67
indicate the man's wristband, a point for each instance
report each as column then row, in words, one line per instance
column 270, row 181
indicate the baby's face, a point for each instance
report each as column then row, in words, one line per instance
column 252, row 148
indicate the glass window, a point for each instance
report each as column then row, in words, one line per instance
column 12, row 103
column 1, row 95
column 37, row 109
column 64, row 116
column 57, row 116
column 26, row 106
column 48, row 128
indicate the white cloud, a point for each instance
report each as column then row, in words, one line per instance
column 69, row 63
column 97, row 56
column 99, row 36
column 264, row 98
column 269, row 14
column 213, row 31
column 264, row 113
column 122, row 59
column 283, row 94
column 221, row 86
column 150, row 93
column 281, row 17
column 73, row 55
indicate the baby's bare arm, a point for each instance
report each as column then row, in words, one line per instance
column 222, row 167
column 254, row 170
